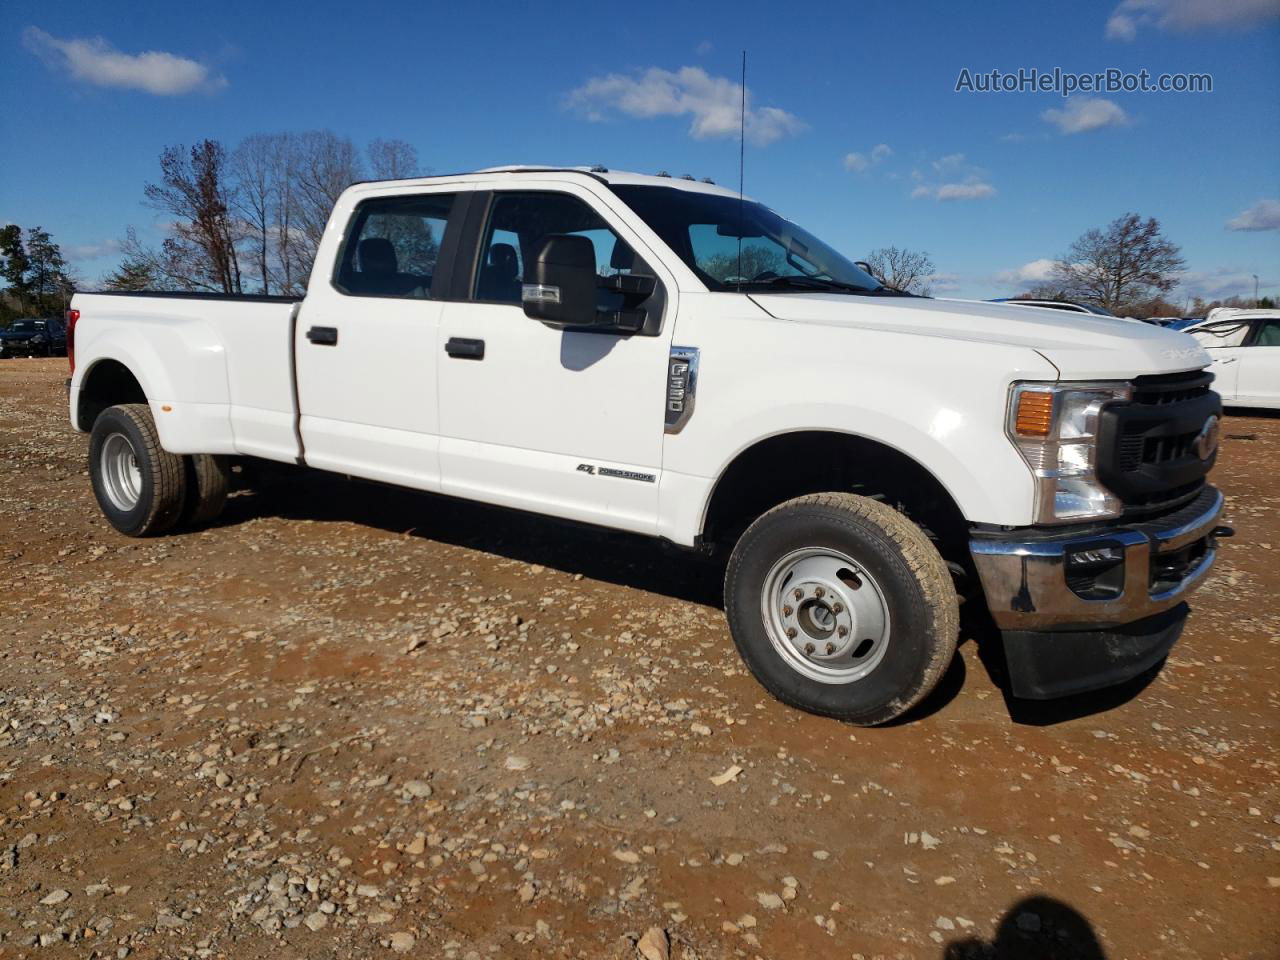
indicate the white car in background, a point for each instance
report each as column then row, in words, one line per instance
column 1245, row 347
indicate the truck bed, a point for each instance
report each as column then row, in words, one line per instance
column 221, row 365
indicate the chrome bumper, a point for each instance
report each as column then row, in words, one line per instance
column 1026, row 580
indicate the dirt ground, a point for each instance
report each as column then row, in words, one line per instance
column 350, row 721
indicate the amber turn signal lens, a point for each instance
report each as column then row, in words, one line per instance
column 1035, row 414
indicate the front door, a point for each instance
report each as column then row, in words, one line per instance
column 366, row 344
column 562, row 422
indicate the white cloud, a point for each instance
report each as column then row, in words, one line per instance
column 970, row 190
column 944, row 282
column 960, row 180
column 92, row 250
column 94, row 60
column 1187, row 15
column 1222, row 282
column 858, row 162
column 1082, row 114
column 1027, row 275
column 952, row 161
column 973, row 189
column 1263, row 215
column 713, row 103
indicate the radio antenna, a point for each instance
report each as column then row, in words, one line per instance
column 742, row 154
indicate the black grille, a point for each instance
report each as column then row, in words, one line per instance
column 1146, row 447
column 1168, row 388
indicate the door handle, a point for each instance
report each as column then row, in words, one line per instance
column 323, row 336
column 465, row 349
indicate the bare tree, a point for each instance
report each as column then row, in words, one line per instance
column 729, row 267
column 194, row 190
column 256, row 168
column 1127, row 262
column 144, row 267
column 902, row 269
column 323, row 166
column 393, row 159
column 1043, row 291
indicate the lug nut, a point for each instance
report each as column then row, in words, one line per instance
column 831, row 648
column 808, row 648
column 799, row 594
column 786, row 611
column 837, row 608
column 819, row 593
column 843, row 631
column 791, row 633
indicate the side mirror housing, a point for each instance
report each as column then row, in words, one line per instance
column 564, row 291
column 561, row 286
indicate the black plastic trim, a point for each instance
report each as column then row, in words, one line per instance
column 1048, row 664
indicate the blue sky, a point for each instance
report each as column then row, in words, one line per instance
column 989, row 184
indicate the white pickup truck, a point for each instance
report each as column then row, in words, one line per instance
column 663, row 356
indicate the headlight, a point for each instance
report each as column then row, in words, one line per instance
column 1055, row 428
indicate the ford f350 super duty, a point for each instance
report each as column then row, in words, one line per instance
column 663, row 356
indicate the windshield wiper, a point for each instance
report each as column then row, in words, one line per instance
column 801, row 282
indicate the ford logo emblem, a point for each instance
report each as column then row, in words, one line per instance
column 1206, row 442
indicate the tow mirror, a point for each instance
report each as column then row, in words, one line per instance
column 562, row 289
column 561, row 286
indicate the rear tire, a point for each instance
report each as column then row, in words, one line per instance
column 208, row 481
column 841, row 606
column 140, row 486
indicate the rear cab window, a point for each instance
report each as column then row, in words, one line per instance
column 393, row 246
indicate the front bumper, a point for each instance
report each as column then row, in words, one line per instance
column 1054, row 590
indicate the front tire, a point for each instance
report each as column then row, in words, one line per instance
column 140, row 486
column 841, row 606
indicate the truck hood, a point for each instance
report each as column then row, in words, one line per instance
column 1082, row 346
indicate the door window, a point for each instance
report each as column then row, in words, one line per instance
column 1268, row 334
column 518, row 224
column 393, row 245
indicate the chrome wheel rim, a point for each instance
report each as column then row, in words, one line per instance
column 121, row 476
column 826, row 617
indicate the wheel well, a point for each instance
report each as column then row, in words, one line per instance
column 794, row 464
column 106, row 384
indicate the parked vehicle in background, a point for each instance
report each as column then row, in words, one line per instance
column 1245, row 348
column 665, row 357
column 1064, row 305
column 34, row 338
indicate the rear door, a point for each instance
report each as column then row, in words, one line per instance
column 366, row 340
column 1258, row 381
column 563, row 422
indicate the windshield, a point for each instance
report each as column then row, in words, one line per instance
column 26, row 326
column 705, row 229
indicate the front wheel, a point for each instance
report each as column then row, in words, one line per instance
column 140, row 486
column 841, row 606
